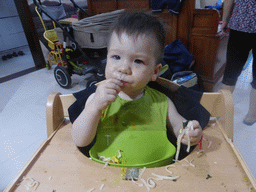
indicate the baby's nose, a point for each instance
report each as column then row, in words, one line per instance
column 125, row 68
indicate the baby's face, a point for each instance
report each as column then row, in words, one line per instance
column 132, row 61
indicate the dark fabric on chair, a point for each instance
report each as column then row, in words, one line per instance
column 78, row 106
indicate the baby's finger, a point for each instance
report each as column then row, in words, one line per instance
column 116, row 81
column 112, row 92
column 193, row 133
column 191, row 140
column 107, row 81
column 194, row 124
column 112, row 84
column 110, row 98
column 192, row 136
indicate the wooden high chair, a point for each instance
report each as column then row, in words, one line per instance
column 59, row 166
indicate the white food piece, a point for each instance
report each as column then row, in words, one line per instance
column 145, row 183
column 166, row 177
column 151, row 183
column 101, row 187
column 142, row 171
column 139, row 184
column 91, row 190
column 166, row 168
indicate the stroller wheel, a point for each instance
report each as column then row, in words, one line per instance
column 62, row 77
column 91, row 83
column 93, row 80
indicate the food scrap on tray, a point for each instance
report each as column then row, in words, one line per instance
column 115, row 159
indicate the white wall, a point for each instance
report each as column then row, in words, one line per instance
column 210, row 2
column 11, row 31
column 203, row 3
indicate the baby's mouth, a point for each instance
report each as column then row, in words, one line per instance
column 124, row 82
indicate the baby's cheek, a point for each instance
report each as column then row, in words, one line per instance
column 108, row 74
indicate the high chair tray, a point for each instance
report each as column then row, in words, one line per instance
column 59, row 166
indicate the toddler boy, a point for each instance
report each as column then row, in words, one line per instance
column 124, row 102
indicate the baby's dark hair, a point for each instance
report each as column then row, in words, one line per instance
column 139, row 23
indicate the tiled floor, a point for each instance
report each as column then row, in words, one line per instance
column 244, row 136
column 23, row 119
column 16, row 64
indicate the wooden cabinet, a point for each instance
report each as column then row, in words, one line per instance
column 209, row 52
column 103, row 6
column 196, row 28
column 208, row 46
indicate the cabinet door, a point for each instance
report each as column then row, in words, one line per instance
column 134, row 4
column 103, row 6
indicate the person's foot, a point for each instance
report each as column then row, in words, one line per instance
column 231, row 88
column 249, row 120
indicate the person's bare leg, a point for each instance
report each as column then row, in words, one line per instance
column 250, row 118
column 231, row 88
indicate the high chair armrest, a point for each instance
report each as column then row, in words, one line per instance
column 54, row 112
column 220, row 105
column 226, row 121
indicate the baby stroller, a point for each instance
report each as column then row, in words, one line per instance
column 56, row 48
column 91, row 33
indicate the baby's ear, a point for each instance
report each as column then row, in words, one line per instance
column 156, row 72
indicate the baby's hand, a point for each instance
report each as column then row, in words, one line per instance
column 194, row 132
column 106, row 92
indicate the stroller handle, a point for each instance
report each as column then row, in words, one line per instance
column 36, row 3
column 80, row 8
column 39, row 2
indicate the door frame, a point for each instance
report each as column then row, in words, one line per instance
column 30, row 32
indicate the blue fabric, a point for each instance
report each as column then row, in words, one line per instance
column 174, row 6
column 177, row 57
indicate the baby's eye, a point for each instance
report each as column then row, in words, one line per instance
column 138, row 61
column 117, row 57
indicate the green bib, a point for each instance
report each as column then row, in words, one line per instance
column 138, row 129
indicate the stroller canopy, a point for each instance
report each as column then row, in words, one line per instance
column 98, row 23
column 92, row 32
